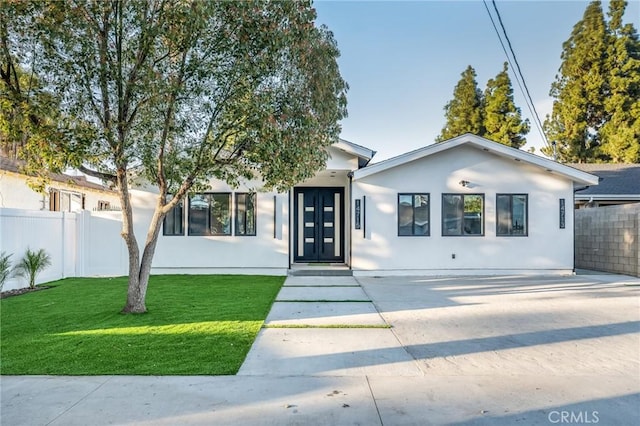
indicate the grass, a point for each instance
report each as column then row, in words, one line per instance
column 195, row 325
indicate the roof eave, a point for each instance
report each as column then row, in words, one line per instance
column 613, row 197
column 355, row 149
column 486, row 145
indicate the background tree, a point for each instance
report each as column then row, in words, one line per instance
column 30, row 114
column 620, row 134
column 464, row 113
column 179, row 92
column 595, row 112
column 502, row 119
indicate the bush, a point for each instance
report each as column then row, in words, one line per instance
column 32, row 264
column 5, row 268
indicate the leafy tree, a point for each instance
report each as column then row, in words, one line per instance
column 464, row 113
column 180, row 92
column 30, row 115
column 620, row 134
column 596, row 110
column 32, row 264
column 502, row 119
column 15, row 86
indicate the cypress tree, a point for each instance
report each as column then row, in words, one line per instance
column 464, row 113
column 502, row 119
column 620, row 134
column 579, row 90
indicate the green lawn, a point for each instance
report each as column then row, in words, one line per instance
column 195, row 325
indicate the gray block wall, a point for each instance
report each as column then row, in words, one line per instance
column 608, row 239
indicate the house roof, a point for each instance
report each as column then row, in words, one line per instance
column 15, row 166
column 478, row 142
column 617, row 181
column 359, row 151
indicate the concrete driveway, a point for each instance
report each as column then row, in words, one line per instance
column 536, row 350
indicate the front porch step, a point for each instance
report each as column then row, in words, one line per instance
column 311, row 270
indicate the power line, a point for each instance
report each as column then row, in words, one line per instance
column 519, row 76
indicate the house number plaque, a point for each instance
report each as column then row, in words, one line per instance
column 358, row 210
column 562, row 213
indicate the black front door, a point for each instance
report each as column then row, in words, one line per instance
column 318, row 224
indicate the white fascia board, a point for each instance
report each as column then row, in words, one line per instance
column 401, row 159
column 486, row 145
column 612, row 197
column 354, row 149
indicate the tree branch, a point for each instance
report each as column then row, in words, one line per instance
column 100, row 175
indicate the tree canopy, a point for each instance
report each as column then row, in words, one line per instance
column 464, row 113
column 492, row 114
column 502, row 119
column 180, row 92
column 596, row 112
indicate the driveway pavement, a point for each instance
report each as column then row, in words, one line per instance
column 392, row 351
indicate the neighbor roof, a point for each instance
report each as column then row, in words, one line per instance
column 486, row 145
column 617, row 181
column 15, row 166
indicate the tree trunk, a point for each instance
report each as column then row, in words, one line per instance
column 135, row 293
column 140, row 269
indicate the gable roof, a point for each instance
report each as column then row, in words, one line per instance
column 618, row 181
column 363, row 153
column 478, row 142
column 15, row 166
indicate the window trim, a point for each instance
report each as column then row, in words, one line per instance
column 237, row 215
column 511, row 195
column 462, row 234
column 208, row 227
column 55, row 199
column 182, row 220
column 412, row 195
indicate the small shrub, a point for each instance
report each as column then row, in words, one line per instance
column 32, row 264
column 5, row 268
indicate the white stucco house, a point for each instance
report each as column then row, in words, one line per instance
column 463, row 206
column 64, row 193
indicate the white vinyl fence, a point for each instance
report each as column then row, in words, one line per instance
column 80, row 244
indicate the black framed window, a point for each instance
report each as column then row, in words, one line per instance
column 173, row 223
column 413, row 214
column 512, row 215
column 210, row 214
column 246, row 214
column 462, row 214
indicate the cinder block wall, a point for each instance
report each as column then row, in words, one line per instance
column 608, row 239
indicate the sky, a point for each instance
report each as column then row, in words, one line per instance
column 403, row 59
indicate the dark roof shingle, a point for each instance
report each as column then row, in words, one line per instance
column 15, row 166
column 615, row 179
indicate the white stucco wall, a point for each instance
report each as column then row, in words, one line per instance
column 546, row 249
column 16, row 194
column 264, row 253
column 260, row 254
column 340, row 160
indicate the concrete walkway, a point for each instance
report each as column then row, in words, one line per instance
column 464, row 350
column 354, row 339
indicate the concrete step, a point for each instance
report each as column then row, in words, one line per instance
column 320, row 272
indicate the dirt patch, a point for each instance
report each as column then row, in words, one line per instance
column 19, row 291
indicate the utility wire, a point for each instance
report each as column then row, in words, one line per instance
column 519, row 76
column 515, row 58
